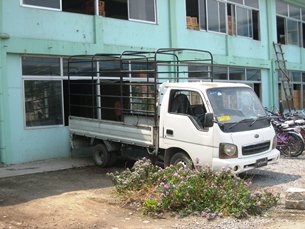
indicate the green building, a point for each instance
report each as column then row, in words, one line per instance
column 37, row 36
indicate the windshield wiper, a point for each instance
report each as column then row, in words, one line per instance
column 258, row 118
column 236, row 123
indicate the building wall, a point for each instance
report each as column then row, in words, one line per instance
column 50, row 32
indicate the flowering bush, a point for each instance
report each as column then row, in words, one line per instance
column 200, row 191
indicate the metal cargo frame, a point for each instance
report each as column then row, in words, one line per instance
column 135, row 77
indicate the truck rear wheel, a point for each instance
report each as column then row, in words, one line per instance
column 181, row 157
column 101, row 155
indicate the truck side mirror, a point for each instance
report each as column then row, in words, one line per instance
column 209, row 120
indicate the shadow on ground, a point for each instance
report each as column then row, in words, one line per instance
column 20, row 189
column 265, row 178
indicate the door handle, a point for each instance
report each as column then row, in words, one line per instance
column 169, row 132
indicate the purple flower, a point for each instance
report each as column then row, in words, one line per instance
column 166, row 186
column 203, row 214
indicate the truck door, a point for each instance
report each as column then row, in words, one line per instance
column 183, row 126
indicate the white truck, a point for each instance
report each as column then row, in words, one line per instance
column 163, row 105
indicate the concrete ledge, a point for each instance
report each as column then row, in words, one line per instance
column 44, row 166
column 295, row 198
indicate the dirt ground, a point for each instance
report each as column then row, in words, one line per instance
column 84, row 198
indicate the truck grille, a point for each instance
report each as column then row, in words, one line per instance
column 253, row 149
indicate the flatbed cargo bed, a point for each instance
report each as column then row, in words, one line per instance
column 140, row 134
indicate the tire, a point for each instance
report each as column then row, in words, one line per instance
column 294, row 146
column 101, row 156
column 181, row 157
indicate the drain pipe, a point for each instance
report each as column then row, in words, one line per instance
column 3, row 37
column 172, row 23
column 272, row 80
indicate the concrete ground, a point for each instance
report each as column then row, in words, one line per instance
column 43, row 166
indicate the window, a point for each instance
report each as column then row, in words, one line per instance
column 220, row 73
column 38, row 66
column 142, row 90
column 42, row 91
column 244, row 22
column 236, row 73
column 143, row 10
column 139, row 10
column 80, row 6
column 54, row 4
column 216, row 16
column 293, row 32
column 297, row 79
column 184, row 102
column 249, row 76
column 244, row 18
column 288, row 23
column 238, row 17
column 43, row 102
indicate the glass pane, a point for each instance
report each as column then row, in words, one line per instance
column 222, row 17
column 253, row 74
column 79, row 67
column 256, row 25
column 231, row 19
column 303, row 96
column 303, row 14
column 236, row 73
column 43, row 103
column 84, row 7
column 281, row 8
column 303, row 77
column 243, row 22
column 202, row 14
column 303, row 33
column 40, row 66
column 220, row 73
column 280, row 26
column 294, row 12
column 297, row 96
column 295, row 76
column 46, row 3
column 142, row 10
column 198, row 72
column 252, row 3
column 237, row 1
column 292, row 32
column 213, row 15
column 109, row 68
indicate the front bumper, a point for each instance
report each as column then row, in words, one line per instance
column 239, row 165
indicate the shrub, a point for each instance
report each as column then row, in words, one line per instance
column 200, row 191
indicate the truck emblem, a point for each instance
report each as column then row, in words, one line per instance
column 256, row 136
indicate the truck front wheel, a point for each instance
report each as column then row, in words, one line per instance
column 181, row 157
column 101, row 156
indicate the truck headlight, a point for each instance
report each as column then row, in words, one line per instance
column 227, row 150
column 274, row 142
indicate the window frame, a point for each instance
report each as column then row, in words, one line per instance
column 42, row 7
column 42, row 78
column 96, row 10
column 24, row 103
column 218, row 17
column 139, row 20
column 288, row 18
column 204, row 17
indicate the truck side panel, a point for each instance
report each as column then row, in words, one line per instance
column 141, row 135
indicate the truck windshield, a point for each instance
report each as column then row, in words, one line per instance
column 237, row 108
